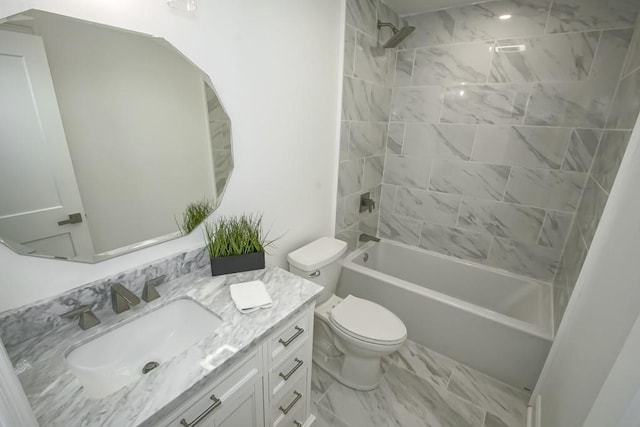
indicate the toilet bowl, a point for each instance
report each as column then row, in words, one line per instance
column 351, row 335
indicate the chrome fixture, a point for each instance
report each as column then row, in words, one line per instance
column 149, row 366
column 122, row 298
column 367, row 203
column 149, row 293
column 367, row 238
column 398, row 35
column 86, row 318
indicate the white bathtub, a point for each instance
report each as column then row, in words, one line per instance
column 493, row 321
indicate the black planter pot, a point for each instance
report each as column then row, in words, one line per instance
column 237, row 263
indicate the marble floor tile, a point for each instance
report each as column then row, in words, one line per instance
column 493, row 421
column 506, row 404
column 320, row 383
column 402, row 400
column 423, row 362
column 420, row 388
column 325, row 418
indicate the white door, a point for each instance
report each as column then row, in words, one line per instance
column 38, row 187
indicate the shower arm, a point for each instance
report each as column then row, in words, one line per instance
column 387, row 24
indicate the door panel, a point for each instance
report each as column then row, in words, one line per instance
column 37, row 183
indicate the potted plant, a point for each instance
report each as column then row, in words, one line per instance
column 194, row 215
column 236, row 244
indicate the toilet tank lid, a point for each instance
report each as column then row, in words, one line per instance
column 317, row 254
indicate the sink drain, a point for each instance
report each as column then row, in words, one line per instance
column 150, row 367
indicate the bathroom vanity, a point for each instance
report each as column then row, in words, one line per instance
column 251, row 370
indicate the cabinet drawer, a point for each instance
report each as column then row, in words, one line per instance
column 286, row 339
column 291, row 402
column 295, row 418
column 290, row 369
column 212, row 401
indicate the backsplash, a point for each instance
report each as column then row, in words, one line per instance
column 602, row 160
column 23, row 323
column 493, row 125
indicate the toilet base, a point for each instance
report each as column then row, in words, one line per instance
column 369, row 371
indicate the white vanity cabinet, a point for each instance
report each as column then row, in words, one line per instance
column 269, row 387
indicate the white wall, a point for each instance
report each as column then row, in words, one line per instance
column 618, row 403
column 603, row 308
column 104, row 77
column 277, row 67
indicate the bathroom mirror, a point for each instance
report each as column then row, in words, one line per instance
column 106, row 137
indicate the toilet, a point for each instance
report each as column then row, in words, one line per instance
column 351, row 335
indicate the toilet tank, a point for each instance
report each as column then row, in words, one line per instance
column 319, row 261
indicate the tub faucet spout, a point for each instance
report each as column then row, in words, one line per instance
column 367, row 238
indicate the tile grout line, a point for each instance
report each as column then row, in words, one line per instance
column 567, row 150
column 544, row 221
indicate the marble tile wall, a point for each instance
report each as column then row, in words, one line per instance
column 493, row 128
column 600, row 153
column 366, row 102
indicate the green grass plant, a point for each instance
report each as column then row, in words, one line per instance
column 236, row 235
column 194, row 215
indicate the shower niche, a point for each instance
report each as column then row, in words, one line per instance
column 108, row 136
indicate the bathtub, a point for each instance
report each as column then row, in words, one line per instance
column 496, row 322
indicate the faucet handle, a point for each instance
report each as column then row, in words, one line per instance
column 87, row 319
column 122, row 298
column 150, row 293
column 366, row 202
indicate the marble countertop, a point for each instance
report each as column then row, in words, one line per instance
column 57, row 398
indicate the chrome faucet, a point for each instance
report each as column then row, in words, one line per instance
column 367, row 238
column 149, row 293
column 86, row 318
column 122, row 298
column 367, row 203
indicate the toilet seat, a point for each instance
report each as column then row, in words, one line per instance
column 367, row 321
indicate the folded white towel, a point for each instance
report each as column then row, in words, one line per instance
column 250, row 296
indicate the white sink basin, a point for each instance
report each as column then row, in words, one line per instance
column 117, row 358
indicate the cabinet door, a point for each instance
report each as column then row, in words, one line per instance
column 242, row 408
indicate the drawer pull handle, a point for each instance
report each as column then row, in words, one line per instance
column 296, row 423
column 299, row 332
column 216, row 402
column 295, row 368
column 293, row 402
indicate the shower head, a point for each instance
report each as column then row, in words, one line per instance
column 398, row 35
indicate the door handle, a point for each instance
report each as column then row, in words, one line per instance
column 74, row 218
